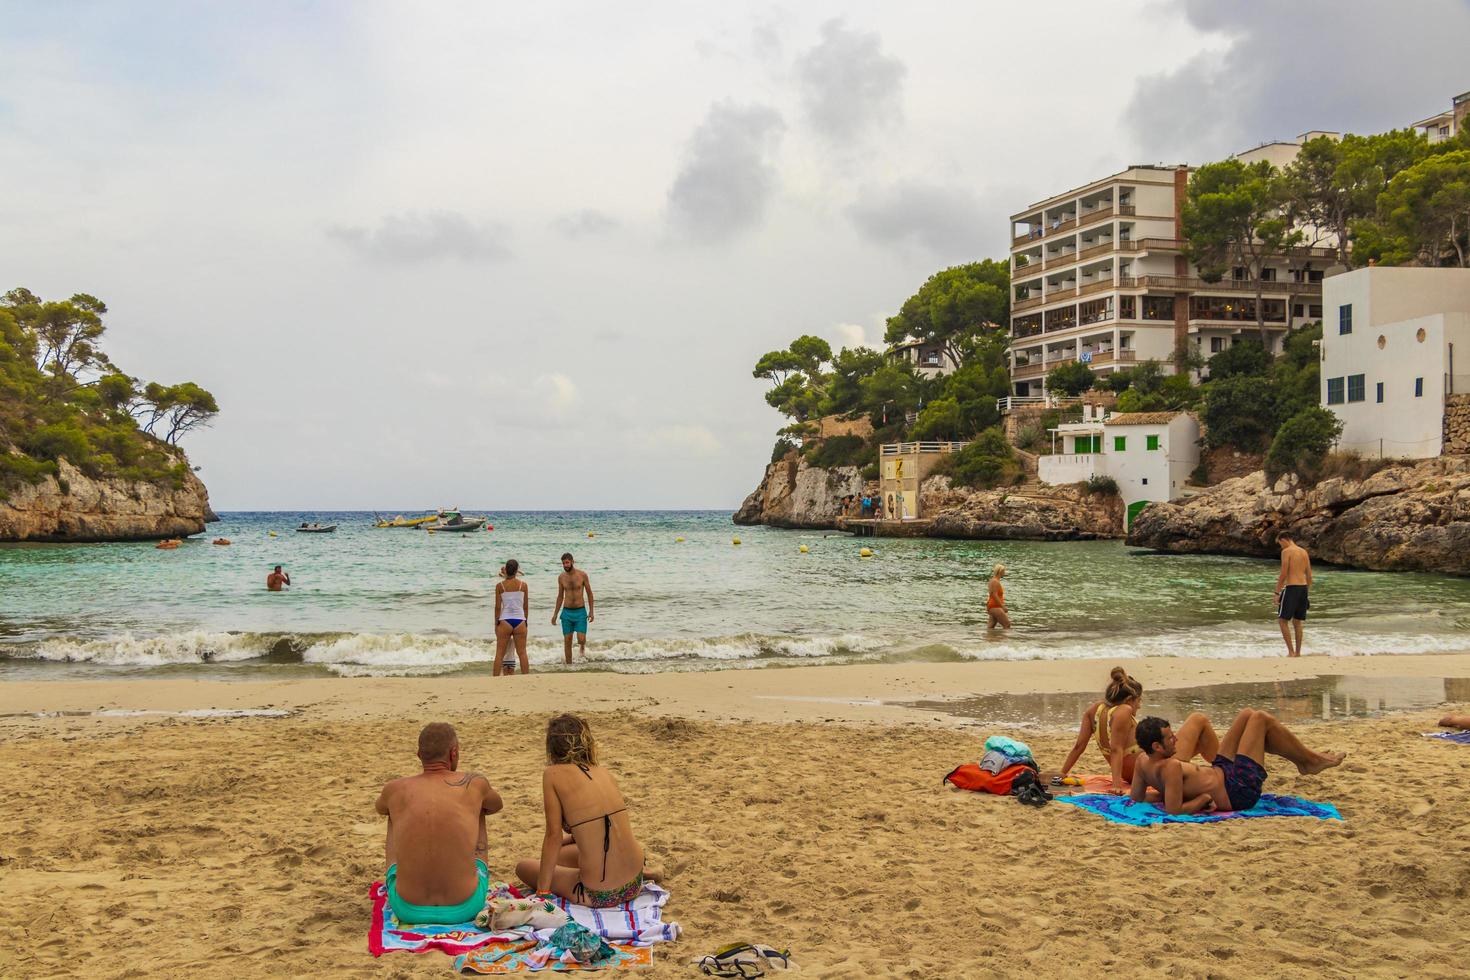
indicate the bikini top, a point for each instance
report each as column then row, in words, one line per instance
column 606, row 819
column 1105, row 726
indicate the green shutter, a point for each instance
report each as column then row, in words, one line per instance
column 1152, row 443
column 1120, row 444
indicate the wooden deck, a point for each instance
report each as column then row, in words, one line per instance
column 867, row 527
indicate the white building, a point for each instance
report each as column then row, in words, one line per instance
column 1150, row 455
column 1098, row 275
column 928, row 359
column 1446, row 125
column 1390, row 343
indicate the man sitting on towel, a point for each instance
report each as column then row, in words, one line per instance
column 1237, row 770
column 436, row 835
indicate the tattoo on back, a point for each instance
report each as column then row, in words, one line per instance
column 464, row 780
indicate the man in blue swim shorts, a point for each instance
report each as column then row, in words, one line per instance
column 436, row 843
column 573, row 606
column 1236, row 772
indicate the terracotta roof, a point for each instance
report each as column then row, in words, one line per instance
column 1144, row 418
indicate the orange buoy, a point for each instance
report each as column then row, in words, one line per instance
column 221, row 540
column 167, row 544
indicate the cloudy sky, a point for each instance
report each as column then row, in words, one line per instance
column 524, row 256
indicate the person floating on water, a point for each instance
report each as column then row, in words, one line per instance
column 995, row 603
column 436, row 844
column 1112, row 721
column 1237, row 763
column 1291, row 592
column 512, row 607
column 573, row 605
column 589, row 854
column 276, row 579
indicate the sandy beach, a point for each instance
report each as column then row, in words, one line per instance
column 800, row 807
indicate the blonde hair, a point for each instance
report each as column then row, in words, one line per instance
column 569, row 741
column 1000, row 569
column 1122, row 688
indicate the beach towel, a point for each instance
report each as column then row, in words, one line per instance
column 501, row 958
column 637, row 923
column 1459, row 738
column 1120, row 809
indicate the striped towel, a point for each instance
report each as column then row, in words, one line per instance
column 1459, row 738
column 636, row 923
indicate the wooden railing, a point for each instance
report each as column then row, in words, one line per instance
column 1026, row 304
column 1096, row 287
column 1028, row 370
column 1091, row 216
column 1177, row 245
column 1196, row 284
column 903, row 448
column 1087, row 253
column 1065, row 226
column 1111, row 356
column 1026, row 272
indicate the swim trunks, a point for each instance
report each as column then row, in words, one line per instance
column 1294, row 603
column 440, row 915
column 574, row 621
column 1244, row 778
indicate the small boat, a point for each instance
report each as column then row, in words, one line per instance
column 168, row 544
column 316, row 529
column 221, row 540
column 458, row 522
column 401, row 521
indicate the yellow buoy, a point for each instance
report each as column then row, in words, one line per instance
column 803, row 549
column 734, row 540
column 677, row 540
column 272, row 533
column 866, row 553
column 591, row 535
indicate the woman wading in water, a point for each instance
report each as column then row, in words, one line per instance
column 589, row 854
column 512, row 605
column 995, row 603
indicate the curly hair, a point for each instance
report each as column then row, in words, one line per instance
column 569, row 741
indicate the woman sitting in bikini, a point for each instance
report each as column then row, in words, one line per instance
column 1112, row 721
column 589, row 855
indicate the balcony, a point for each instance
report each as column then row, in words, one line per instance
column 1061, row 292
column 1027, row 304
column 1198, row 285
column 1063, row 227
column 1102, row 285
column 1024, row 371
column 1091, row 217
column 1019, row 332
column 1152, row 245
column 1102, row 249
column 1105, row 357
column 1030, row 236
column 1058, row 469
column 1022, row 272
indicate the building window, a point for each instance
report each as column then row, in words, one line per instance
column 1126, row 307
column 1314, row 310
column 1314, row 275
column 1120, row 444
column 1345, row 318
column 1145, row 481
column 1268, row 275
column 1151, row 443
column 1356, row 388
column 1158, row 307
column 1298, row 309
column 1217, row 344
column 1335, row 391
column 1418, row 387
column 1380, row 392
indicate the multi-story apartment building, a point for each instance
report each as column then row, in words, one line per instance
column 1098, row 275
column 1445, row 125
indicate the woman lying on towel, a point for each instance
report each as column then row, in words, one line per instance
column 589, row 855
column 1112, row 721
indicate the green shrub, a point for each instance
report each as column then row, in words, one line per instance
column 1238, row 412
column 783, row 448
column 59, row 440
column 840, row 451
column 1101, row 486
column 1200, row 475
column 1071, row 379
column 940, row 419
column 16, row 471
column 1302, row 443
column 1031, row 438
column 988, row 461
column 870, row 471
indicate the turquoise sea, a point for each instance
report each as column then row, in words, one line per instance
column 369, row 601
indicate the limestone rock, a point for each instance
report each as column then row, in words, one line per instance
column 1028, row 513
column 74, row 507
column 1412, row 516
column 795, row 495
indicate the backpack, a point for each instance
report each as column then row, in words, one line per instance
column 972, row 777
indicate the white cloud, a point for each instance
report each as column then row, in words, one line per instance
column 556, row 392
column 729, row 176
column 422, row 237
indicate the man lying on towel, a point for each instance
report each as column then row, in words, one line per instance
column 436, row 835
column 1237, row 769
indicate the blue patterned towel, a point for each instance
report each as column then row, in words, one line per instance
column 1460, row 738
column 1120, row 809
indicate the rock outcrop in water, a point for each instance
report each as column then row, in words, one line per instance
column 74, row 507
column 795, row 495
column 1020, row 513
column 1407, row 517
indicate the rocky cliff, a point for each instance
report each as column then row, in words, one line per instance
column 1023, row 514
column 1408, row 517
column 793, row 494
column 74, row 507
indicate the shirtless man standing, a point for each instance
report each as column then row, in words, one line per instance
column 436, row 843
column 1291, row 592
column 276, row 579
column 1237, row 769
column 573, row 606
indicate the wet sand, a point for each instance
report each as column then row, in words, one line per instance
column 797, row 807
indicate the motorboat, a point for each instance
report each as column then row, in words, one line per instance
column 314, row 528
column 455, row 521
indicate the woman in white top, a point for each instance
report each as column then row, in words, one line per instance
column 512, row 607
